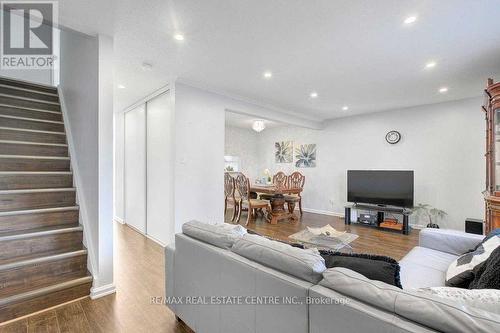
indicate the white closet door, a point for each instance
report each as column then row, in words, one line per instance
column 135, row 168
column 160, row 164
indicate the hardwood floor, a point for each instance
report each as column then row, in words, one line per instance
column 139, row 275
column 370, row 240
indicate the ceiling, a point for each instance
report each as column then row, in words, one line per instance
column 357, row 53
column 243, row 121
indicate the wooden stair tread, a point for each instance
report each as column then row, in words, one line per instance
column 40, row 210
column 35, row 157
column 27, row 102
column 28, row 93
column 27, row 85
column 44, row 271
column 35, row 256
column 27, row 199
column 27, row 98
column 6, row 301
column 46, row 258
column 38, row 232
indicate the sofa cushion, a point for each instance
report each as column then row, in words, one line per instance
column 306, row 264
column 486, row 299
column 462, row 271
column 436, row 313
column 353, row 284
column 423, row 267
column 374, row 267
column 445, row 315
column 221, row 235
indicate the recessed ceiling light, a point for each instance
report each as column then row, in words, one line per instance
column 121, row 86
column 313, row 94
column 268, row 74
column 345, row 108
column 179, row 37
column 443, row 90
column 410, row 19
column 430, row 64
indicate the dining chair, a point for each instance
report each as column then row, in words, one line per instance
column 295, row 184
column 229, row 194
column 280, row 180
column 243, row 188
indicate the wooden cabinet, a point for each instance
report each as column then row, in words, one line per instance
column 491, row 108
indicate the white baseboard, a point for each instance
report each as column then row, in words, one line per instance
column 102, row 291
column 146, row 235
column 156, row 241
column 118, row 219
column 323, row 212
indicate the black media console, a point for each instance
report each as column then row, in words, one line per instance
column 380, row 215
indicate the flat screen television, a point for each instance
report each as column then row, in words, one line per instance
column 380, row 187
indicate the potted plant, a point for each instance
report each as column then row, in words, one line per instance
column 432, row 214
column 267, row 174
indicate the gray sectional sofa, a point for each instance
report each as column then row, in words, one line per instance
column 226, row 281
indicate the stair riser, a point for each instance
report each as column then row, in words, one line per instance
column 21, row 201
column 9, row 111
column 28, row 86
column 25, row 222
column 13, row 135
column 28, row 94
column 40, row 246
column 27, row 181
column 33, row 125
column 22, row 279
column 29, row 164
column 23, row 308
column 32, row 150
column 29, row 104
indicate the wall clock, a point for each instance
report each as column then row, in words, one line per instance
column 393, row 137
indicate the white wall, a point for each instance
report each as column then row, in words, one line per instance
column 443, row 143
column 199, row 155
column 244, row 143
column 160, row 168
column 86, row 84
column 79, row 85
column 119, row 155
column 105, row 163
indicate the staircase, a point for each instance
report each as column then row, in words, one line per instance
column 43, row 262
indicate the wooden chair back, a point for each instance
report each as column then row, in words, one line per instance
column 296, row 181
column 280, row 180
column 229, row 186
column 243, row 186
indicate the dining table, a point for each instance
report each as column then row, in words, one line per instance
column 278, row 211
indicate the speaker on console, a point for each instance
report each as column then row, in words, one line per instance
column 474, row 226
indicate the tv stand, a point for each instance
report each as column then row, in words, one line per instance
column 381, row 210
